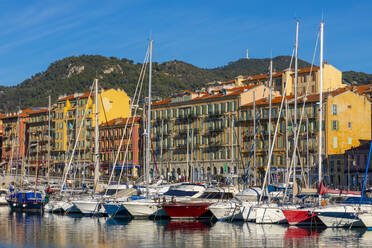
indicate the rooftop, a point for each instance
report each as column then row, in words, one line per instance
column 220, row 94
column 121, row 121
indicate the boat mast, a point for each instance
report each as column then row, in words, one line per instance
column 254, row 138
column 320, row 104
column 96, row 144
column 286, row 143
column 307, row 150
column 187, row 152
column 270, row 97
column 161, row 146
column 14, row 140
column 192, row 154
column 295, row 103
column 148, row 150
column 49, row 139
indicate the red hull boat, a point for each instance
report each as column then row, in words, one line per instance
column 191, row 210
column 301, row 217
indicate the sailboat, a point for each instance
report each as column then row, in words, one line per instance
column 305, row 216
column 93, row 205
column 21, row 199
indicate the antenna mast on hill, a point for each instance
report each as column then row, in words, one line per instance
column 246, row 54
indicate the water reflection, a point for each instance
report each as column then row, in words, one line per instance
column 18, row 229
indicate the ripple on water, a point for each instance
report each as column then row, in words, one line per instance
column 49, row 230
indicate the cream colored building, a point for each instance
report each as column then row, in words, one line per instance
column 308, row 80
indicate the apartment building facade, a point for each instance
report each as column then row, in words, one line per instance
column 196, row 134
column 344, row 124
column 127, row 131
column 40, row 137
column 308, row 80
column 74, row 120
column 14, row 140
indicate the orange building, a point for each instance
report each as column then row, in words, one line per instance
column 110, row 135
column 14, row 138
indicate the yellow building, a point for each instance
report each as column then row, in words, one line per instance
column 69, row 113
column 332, row 80
column 348, row 118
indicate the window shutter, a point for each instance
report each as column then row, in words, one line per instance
column 338, row 125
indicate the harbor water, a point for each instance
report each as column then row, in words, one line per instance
column 51, row 230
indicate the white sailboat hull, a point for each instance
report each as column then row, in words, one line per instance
column 57, row 206
column 269, row 215
column 144, row 209
column 232, row 210
column 366, row 219
column 341, row 215
column 89, row 207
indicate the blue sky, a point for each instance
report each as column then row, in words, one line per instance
column 208, row 34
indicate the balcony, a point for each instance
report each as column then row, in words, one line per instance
column 248, row 134
column 181, row 147
column 214, row 115
column 159, row 120
column 215, row 144
column 215, row 129
column 246, row 150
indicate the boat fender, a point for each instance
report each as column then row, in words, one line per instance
column 24, row 205
column 324, row 203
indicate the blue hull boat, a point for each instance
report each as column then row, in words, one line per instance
column 29, row 201
column 116, row 210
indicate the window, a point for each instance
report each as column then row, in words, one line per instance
column 349, row 141
column 349, row 106
column 349, row 124
column 334, row 109
column 334, row 142
column 280, row 142
column 335, row 125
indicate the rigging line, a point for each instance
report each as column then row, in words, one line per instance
column 66, row 169
column 136, row 98
column 69, row 146
column 109, row 133
column 140, row 79
column 130, row 134
column 13, row 136
column 276, row 131
column 134, row 103
column 303, row 108
column 305, row 99
column 240, row 151
column 258, row 116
